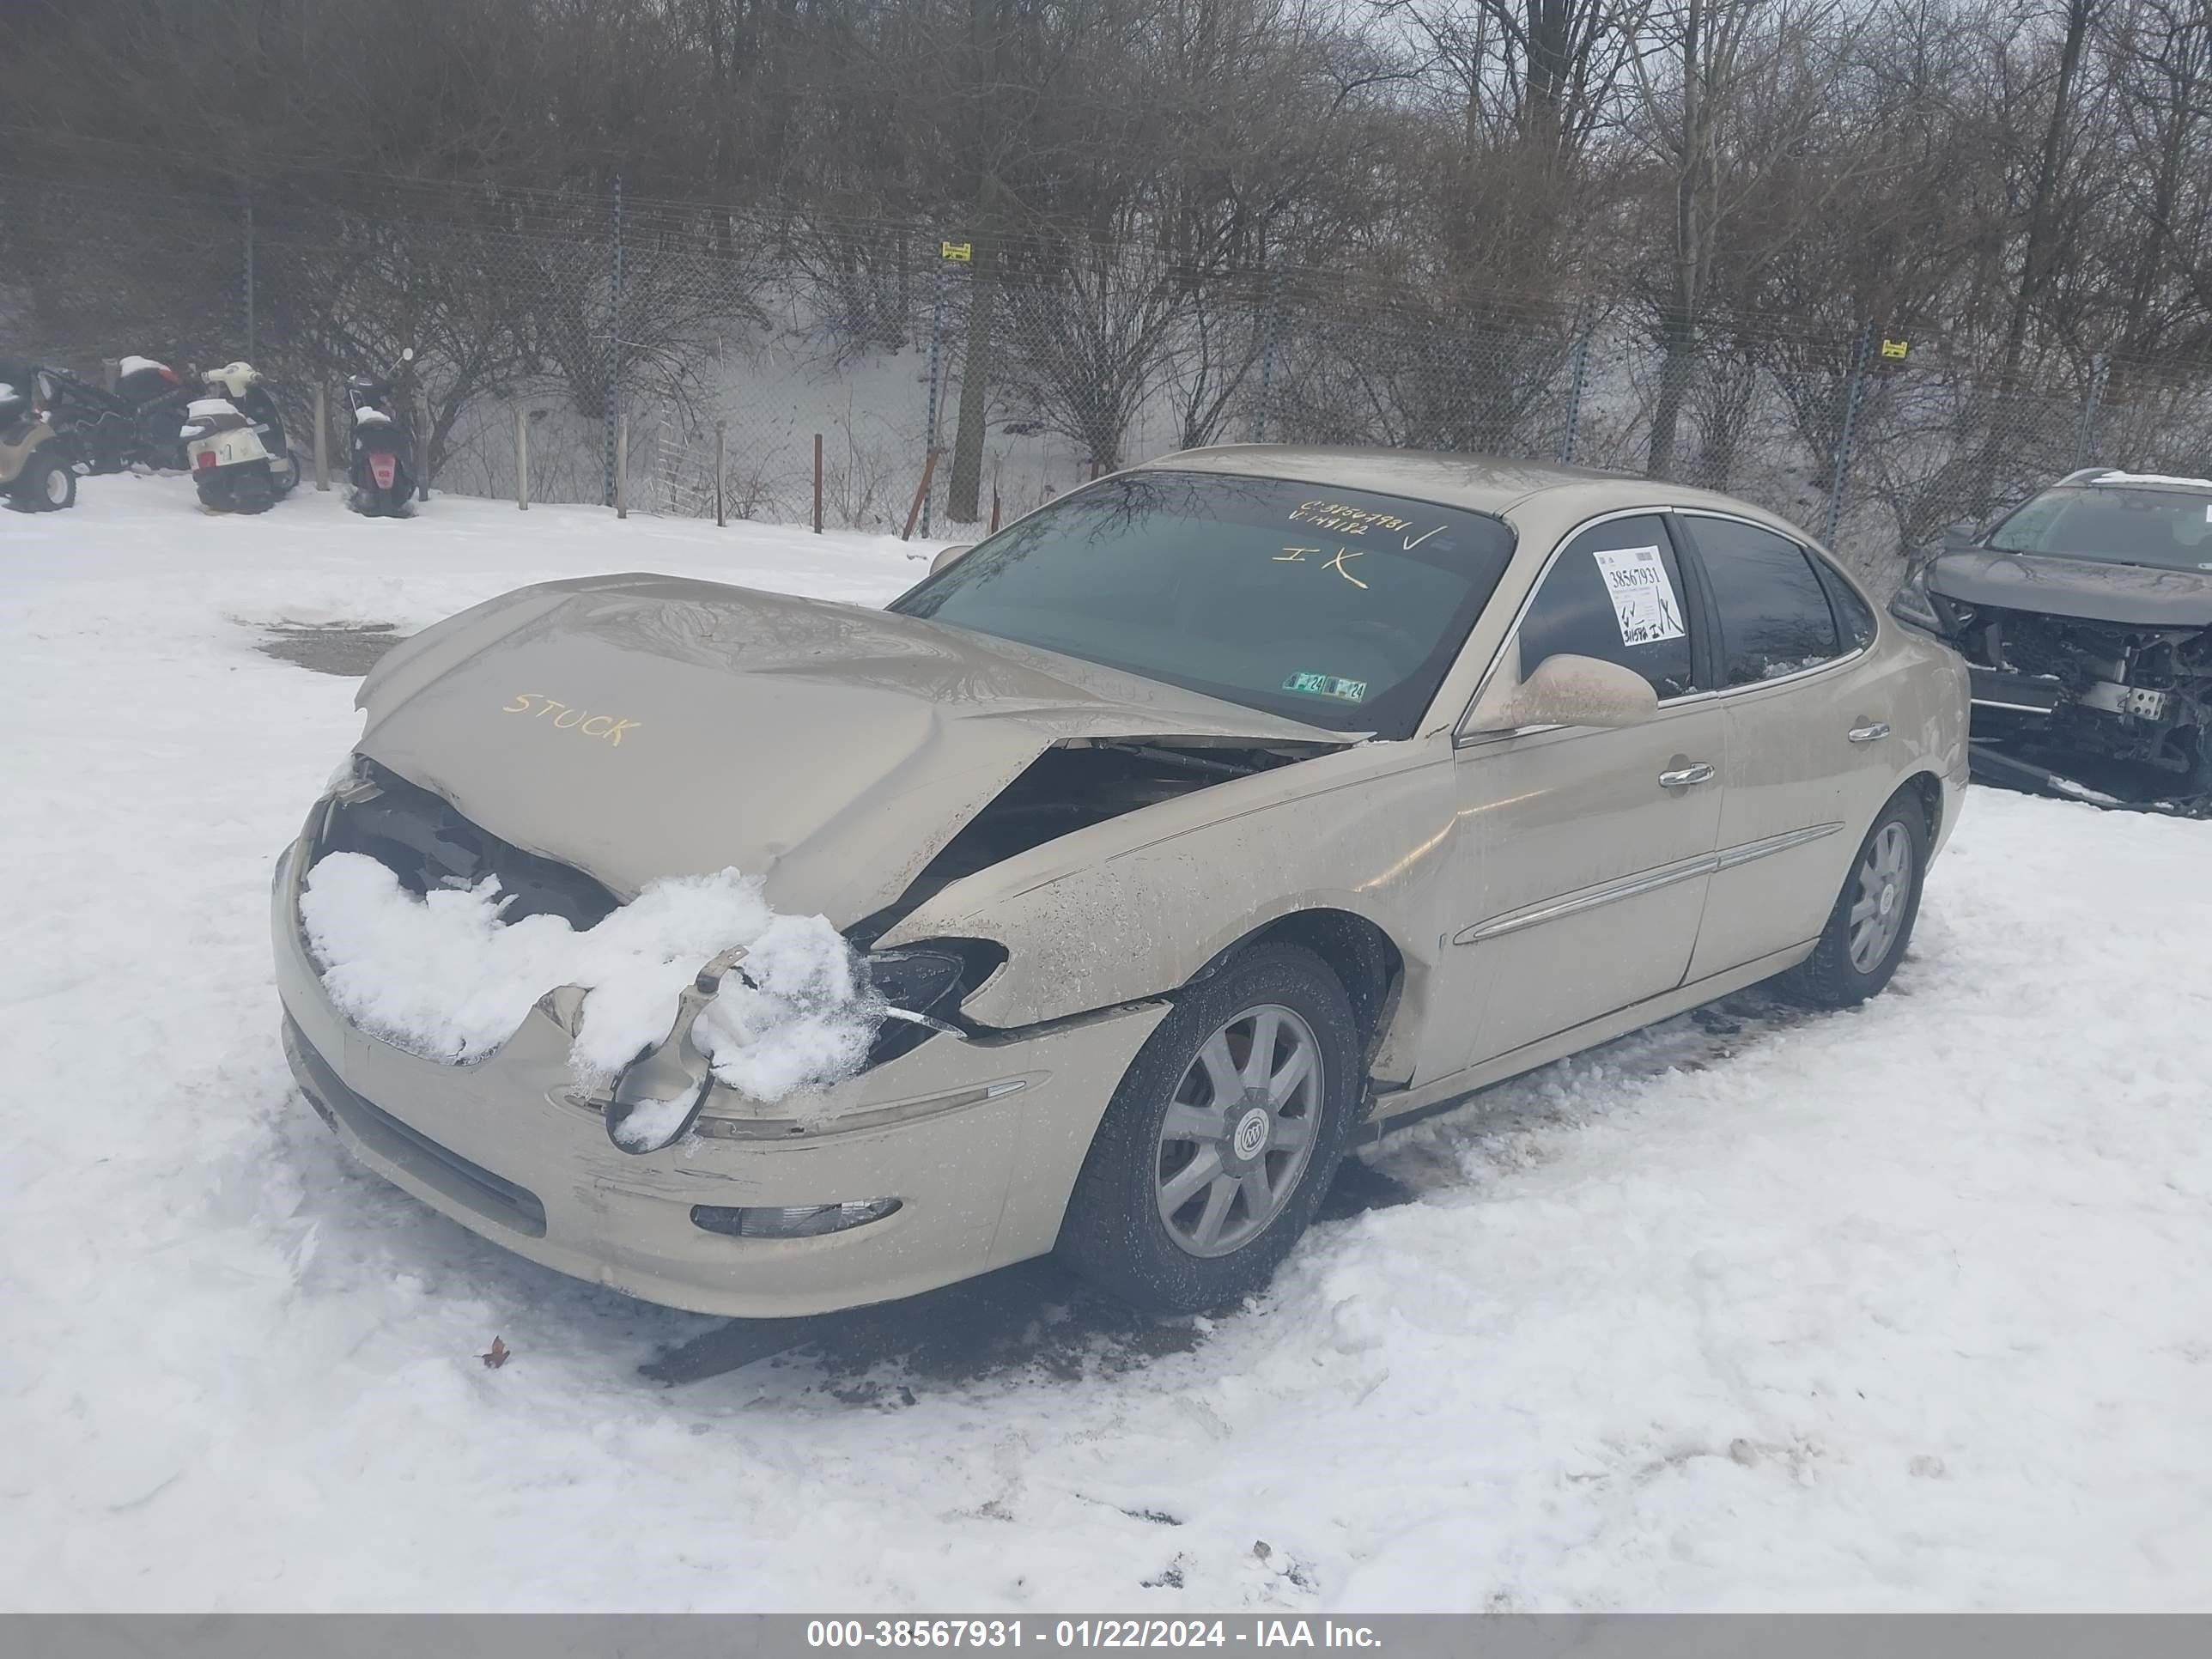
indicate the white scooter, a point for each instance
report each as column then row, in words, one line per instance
column 235, row 443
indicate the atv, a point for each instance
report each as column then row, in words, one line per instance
column 38, row 465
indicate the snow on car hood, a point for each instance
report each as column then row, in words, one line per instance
column 644, row 726
column 2134, row 595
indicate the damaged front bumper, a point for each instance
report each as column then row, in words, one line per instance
column 2115, row 717
column 979, row 1142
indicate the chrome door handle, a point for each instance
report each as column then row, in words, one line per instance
column 1684, row 777
column 1874, row 733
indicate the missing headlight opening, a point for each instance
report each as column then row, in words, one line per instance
column 921, row 987
column 429, row 847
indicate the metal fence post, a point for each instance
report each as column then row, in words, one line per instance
column 1266, row 302
column 521, row 459
column 722, row 440
column 1844, row 439
column 929, row 445
column 611, row 395
column 818, row 484
column 322, row 437
column 1578, row 357
column 249, row 278
column 2085, row 431
column 423, row 481
column 621, row 466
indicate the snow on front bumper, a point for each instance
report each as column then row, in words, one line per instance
column 505, row 1147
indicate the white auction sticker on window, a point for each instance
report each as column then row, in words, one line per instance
column 1644, row 601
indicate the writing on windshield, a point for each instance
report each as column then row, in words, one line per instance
column 1350, row 623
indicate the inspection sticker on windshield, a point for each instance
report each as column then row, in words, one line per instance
column 1327, row 685
column 1644, row 601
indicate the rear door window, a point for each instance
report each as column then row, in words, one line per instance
column 1615, row 593
column 1774, row 612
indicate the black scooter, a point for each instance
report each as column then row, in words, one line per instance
column 382, row 465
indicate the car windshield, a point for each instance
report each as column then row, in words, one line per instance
column 1337, row 607
column 2165, row 527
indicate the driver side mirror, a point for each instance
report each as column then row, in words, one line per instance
column 950, row 555
column 1568, row 691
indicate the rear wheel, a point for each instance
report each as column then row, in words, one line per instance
column 1222, row 1138
column 1872, row 922
column 253, row 492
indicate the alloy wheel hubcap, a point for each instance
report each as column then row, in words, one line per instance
column 56, row 486
column 1878, row 912
column 1239, row 1131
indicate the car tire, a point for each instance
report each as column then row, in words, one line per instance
column 47, row 483
column 1126, row 1229
column 1861, row 947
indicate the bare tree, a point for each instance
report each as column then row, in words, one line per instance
column 1705, row 63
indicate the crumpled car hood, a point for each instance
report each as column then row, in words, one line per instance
column 2131, row 594
column 641, row 726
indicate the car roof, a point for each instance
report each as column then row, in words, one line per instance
column 2116, row 476
column 1534, row 494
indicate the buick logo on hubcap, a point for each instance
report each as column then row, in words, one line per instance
column 1251, row 1132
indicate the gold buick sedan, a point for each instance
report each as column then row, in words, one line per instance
column 1100, row 892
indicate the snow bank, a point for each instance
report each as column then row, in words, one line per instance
column 443, row 976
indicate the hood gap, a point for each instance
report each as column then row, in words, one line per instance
column 1072, row 785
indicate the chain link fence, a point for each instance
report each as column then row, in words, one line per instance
column 775, row 365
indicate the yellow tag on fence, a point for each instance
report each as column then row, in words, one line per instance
column 962, row 252
column 1896, row 350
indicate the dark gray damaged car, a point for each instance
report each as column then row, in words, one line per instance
column 2085, row 616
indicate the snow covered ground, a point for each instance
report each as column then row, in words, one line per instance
column 1909, row 1308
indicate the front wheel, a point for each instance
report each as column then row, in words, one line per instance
column 46, row 484
column 1223, row 1137
column 1872, row 922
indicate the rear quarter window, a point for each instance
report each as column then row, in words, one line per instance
column 1854, row 616
column 1774, row 611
